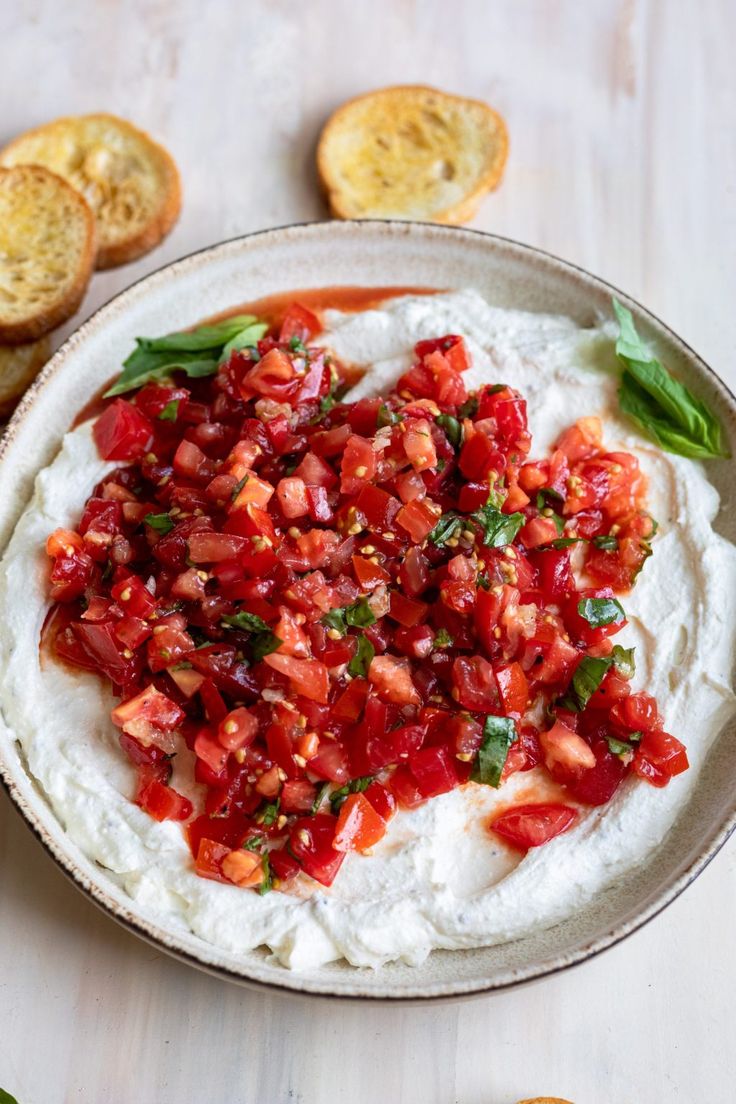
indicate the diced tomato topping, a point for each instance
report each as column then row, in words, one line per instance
column 315, row 595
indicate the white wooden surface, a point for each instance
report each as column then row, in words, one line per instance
column 621, row 116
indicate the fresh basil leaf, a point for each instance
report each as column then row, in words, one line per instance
column 321, row 795
column 547, row 493
column 357, row 785
column 160, row 523
column 212, row 336
column 499, row 733
column 618, row 747
column 254, row 843
column 360, row 615
column 246, row 338
column 601, row 611
column 270, row 813
column 170, row 412
column 588, row 676
column 387, row 417
column 498, row 529
column 335, row 619
column 662, row 406
column 442, row 639
column 246, row 622
column 195, row 352
column 262, row 644
column 606, row 542
column 453, row 429
column 469, row 408
column 623, row 661
column 446, row 528
column 561, row 542
column 297, row 345
column 484, row 581
column 143, row 366
column 267, row 884
column 239, row 486
column 361, row 661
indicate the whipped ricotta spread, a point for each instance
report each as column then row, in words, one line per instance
column 438, row 879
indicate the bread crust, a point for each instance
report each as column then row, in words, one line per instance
column 111, row 253
column 19, row 366
column 454, row 215
column 42, row 319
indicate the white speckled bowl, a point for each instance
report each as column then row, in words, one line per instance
column 367, row 254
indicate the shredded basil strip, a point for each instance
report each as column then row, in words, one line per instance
column 588, row 676
column 606, row 542
column 196, row 352
column 358, row 785
column 601, row 611
column 387, row 417
column 359, row 615
column 263, row 643
column 270, row 812
column 623, row 661
column 446, row 528
column 160, row 523
column 442, row 639
column 267, row 884
column 498, row 529
column 499, row 733
column 170, row 412
column 453, row 429
column 246, row 622
column 321, row 794
column 662, row 406
column 254, row 843
column 361, row 661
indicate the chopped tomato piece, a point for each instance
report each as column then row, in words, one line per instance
column 525, row 826
column 359, row 826
column 311, row 844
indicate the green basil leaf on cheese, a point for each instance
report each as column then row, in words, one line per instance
column 663, row 407
column 499, row 733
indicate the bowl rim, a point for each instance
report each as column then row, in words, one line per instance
column 298, row 984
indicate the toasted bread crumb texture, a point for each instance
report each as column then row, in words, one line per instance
column 19, row 366
column 130, row 182
column 47, row 251
column 411, row 152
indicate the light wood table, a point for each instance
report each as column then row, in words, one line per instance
column 623, row 160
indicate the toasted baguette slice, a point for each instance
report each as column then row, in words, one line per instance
column 411, row 152
column 19, row 366
column 47, row 252
column 130, row 182
column 545, row 1100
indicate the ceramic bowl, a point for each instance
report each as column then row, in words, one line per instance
column 365, row 254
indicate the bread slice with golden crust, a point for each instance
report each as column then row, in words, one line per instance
column 411, row 152
column 545, row 1100
column 19, row 366
column 130, row 182
column 47, row 252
